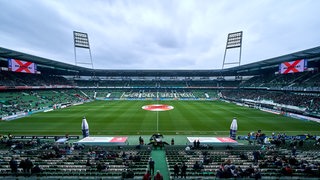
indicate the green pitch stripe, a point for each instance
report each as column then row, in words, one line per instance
column 127, row 118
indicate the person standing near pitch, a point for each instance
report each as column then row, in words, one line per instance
column 151, row 165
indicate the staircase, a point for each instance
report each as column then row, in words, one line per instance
column 159, row 157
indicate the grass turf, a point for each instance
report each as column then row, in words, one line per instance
column 128, row 118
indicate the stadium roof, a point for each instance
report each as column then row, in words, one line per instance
column 61, row 68
column 312, row 54
column 7, row 53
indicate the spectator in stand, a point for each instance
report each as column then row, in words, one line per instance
column 176, row 170
column 124, row 156
column 29, row 166
column 147, row 175
column 158, row 176
column 36, row 169
column 260, row 137
column 249, row 171
column 207, row 160
column 240, row 172
column 184, row 168
column 257, row 174
column 287, row 171
column 10, row 136
column 99, row 167
column 130, row 174
column 127, row 174
column 294, row 150
column 318, row 142
column 23, row 166
column 14, row 166
column 293, row 161
column 258, row 134
column 234, row 171
column 256, row 156
column 1, row 136
column 248, row 138
column 278, row 162
column 219, row 173
column 196, row 167
column 88, row 163
column 198, row 144
column 300, row 143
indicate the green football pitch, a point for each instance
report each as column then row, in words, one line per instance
column 128, row 118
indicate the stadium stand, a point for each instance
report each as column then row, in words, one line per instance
column 247, row 162
column 308, row 101
column 67, row 161
column 172, row 84
column 33, row 100
column 23, row 79
column 73, row 161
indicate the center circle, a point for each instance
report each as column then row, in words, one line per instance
column 157, row 107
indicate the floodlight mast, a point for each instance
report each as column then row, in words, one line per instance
column 234, row 40
column 81, row 40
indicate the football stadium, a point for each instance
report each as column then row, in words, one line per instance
column 151, row 100
column 76, row 122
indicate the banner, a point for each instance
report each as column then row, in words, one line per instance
column 293, row 66
column 16, row 65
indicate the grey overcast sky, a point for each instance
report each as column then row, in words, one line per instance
column 159, row 34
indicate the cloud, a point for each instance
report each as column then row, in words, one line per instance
column 153, row 34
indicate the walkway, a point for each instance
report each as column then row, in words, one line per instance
column 159, row 157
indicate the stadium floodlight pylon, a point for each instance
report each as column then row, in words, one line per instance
column 81, row 40
column 234, row 40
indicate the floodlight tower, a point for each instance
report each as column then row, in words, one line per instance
column 81, row 40
column 234, row 40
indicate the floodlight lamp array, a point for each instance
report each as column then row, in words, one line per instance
column 81, row 40
column 234, row 40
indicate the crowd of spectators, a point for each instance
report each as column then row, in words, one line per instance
column 229, row 170
column 24, row 79
column 263, row 161
column 29, row 155
column 33, row 100
column 310, row 101
column 284, row 162
column 271, row 80
column 287, row 159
